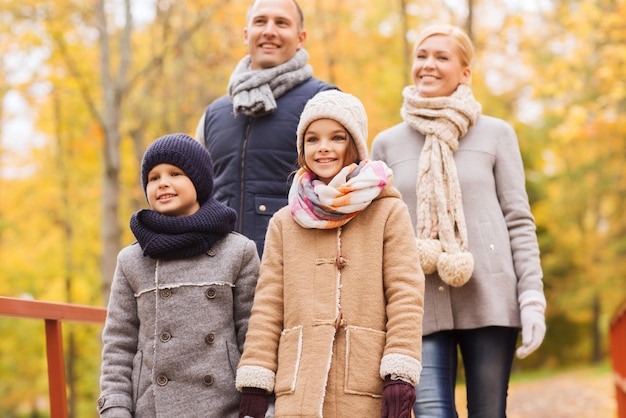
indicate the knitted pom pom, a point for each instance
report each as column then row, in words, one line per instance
column 429, row 252
column 455, row 269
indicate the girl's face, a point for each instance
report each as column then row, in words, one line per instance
column 437, row 69
column 170, row 192
column 327, row 148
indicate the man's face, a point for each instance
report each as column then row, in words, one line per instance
column 273, row 33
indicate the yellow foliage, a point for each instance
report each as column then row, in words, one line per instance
column 569, row 57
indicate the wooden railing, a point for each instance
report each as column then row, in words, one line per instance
column 618, row 358
column 53, row 314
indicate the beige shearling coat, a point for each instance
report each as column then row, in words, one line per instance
column 324, row 338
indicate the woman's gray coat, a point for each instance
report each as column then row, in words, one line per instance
column 500, row 226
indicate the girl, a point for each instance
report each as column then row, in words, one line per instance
column 335, row 329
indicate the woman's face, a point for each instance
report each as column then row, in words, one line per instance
column 437, row 69
column 327, row 148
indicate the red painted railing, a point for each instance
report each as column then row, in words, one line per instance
column 53, row 314
column 618, row 358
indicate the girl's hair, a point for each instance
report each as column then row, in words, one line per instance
column 463, row 42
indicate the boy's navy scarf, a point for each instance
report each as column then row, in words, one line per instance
column 171, row 237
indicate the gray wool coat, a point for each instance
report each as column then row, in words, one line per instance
column 501, row 229
column 175, row 331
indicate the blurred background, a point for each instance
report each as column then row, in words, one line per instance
column 86, row 85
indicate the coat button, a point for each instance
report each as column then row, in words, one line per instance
column 161, row 380
column 211, row 292
column 441, row 289
column 166, row 336
column 211, row 252
column 208, row 380
column 210, row 338
column 165, row 293
column 262, row 208
column 101, row 401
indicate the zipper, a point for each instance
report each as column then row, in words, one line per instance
column 244, row 147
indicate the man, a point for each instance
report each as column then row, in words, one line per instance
column 251, row 131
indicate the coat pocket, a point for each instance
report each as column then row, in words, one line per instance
column 234, row 356
column 289, row 353
column 364, row 351
column 137, row 376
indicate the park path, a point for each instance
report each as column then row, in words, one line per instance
column 580, row 394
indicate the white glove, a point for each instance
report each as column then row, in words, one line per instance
column 532, row 308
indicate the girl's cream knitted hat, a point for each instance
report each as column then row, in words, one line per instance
column 342, row 107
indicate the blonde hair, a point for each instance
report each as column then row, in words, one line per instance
column 462, row 41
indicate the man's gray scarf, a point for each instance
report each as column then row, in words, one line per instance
column 254, row 92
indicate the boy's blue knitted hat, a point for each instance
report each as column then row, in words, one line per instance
column 186, row 153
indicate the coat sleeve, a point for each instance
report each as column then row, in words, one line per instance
column 404, row 291
column 259, row 361
column 511, row 188
column 244, row 291
column 119, row 337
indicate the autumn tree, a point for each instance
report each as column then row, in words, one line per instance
column 105, row 78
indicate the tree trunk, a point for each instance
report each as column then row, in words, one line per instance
column 112, row 88
column 407, row 48
column 470, row 19
column 596, row 335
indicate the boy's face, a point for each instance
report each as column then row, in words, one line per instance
column 170, row 192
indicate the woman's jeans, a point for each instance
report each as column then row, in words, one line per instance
column 487, row 355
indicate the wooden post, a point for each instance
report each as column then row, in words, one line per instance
column 56, row 369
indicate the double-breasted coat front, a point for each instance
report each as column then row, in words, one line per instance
column 335, row 311
column 175, row 331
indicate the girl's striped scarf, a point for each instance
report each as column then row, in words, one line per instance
column 314, row 204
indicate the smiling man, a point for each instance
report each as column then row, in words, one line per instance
column 250, row 131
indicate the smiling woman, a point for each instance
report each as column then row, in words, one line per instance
column 461, row 175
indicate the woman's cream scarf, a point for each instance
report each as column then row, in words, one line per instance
column 441, row 228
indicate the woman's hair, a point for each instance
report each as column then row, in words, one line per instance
column 460, row 38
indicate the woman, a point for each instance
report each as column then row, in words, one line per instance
column 462, row 177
